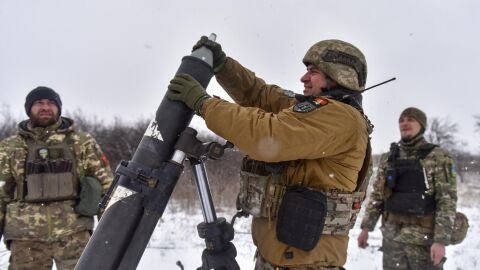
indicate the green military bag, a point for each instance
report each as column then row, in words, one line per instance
column 89, row 197
column 460, row 228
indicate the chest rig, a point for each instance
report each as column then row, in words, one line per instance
column 407, row 180
column 50, row 173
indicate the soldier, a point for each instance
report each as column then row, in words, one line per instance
column 51, row 179
column 305, row 152
column 415, row 193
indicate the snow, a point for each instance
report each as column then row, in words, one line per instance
column 176, row 239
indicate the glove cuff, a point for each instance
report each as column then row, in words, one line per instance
column 220, row 65
column 199, row 104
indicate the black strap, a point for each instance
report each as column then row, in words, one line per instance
column 352, row 61
column 394, row 152
column 422, row 151
column 362, row 182
column 426, row 149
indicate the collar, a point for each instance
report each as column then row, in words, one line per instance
column 414, row 142
column 26, row 129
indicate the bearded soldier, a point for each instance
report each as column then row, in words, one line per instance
column 415, row 193
column 51, row 179
column 307, row 154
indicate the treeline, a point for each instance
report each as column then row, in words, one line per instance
column 119, row 141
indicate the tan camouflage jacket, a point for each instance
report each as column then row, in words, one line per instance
column 418, row 230
column 324, row 149
column 46, row 221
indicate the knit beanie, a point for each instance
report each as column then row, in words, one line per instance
column 413, row 112
column 42, row 92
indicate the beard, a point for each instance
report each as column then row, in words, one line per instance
column 44, row 118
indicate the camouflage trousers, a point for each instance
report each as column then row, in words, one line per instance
column 261, row 264
column 35, row 255
column 400, row 256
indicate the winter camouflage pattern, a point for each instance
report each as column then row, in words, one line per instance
column 35, row 255
column 261, row 264
column 54, row 220
column 336, row 67
column 404, row 232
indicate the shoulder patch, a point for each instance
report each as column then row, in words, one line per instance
column 319, row 101
column 289, row 93
column 310, row 105
column 304, row 107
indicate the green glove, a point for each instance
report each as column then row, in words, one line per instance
column 219, row 57
column 186, row 89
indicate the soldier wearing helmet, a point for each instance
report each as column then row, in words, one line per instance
column 415, row 193
column 307, row 155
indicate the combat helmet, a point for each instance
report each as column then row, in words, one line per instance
column 341, row 61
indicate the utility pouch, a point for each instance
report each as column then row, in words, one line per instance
column 260, row 189
column 460, row 228
column 45, row 187
column 301, row 217
column 89, row 197
column 252, row 193
column 390, row 177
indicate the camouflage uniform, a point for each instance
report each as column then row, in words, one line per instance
column 407, row 238
column 38, row 232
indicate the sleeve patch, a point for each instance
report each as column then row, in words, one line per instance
column 105, row 160
column 310, row 105
column 319, row 101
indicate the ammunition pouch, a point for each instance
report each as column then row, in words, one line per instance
column 410, row 203
column 46, row 187
column 260, row 188
column 89, row 197
column 301, row 217
column 50, row 174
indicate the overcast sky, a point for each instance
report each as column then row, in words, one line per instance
column 116, row 57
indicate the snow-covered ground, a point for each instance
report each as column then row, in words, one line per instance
column 168, row 244
column 176, row 239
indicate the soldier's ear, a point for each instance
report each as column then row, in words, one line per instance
column 331, row 83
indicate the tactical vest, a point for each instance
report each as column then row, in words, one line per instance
column 50, row 173
column 262, row 190
column 408, row 182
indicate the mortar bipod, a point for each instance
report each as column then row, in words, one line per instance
column 219, row 253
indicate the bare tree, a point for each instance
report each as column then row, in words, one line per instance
column 8, row 125
column 119, row 141
column 443, row 132
column 477, row 122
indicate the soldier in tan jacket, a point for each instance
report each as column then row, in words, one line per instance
column 305, row 152
column 51, row 180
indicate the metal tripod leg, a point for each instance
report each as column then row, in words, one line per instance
column 217, row 232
